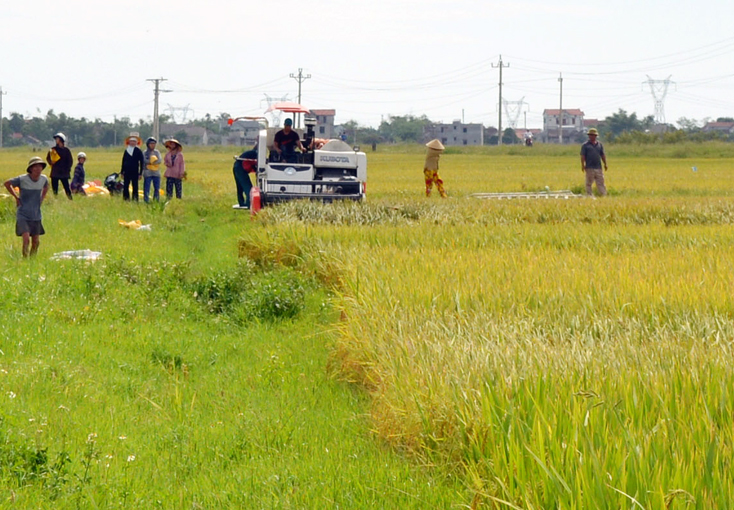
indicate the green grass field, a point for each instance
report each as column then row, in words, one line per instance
column 423, row 353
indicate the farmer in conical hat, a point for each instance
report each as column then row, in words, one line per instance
column 175, row 168
column 430, row 168
column 133, row 162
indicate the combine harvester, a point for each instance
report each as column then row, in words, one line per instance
column 329, row 170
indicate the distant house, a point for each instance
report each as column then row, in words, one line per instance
column 569, row 122
column 726, row 128
column 456, row 133
column 195, row 135
column 324, row 123
column 21, row 139
column 242, row 133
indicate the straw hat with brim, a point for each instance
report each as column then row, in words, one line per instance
column 35, row 161
column 172, row 141
column 436, row 145
column 136, row 136
column 592, row 131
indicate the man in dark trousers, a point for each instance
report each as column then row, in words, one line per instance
column 592, row 156
column 133, row 162
column 244, row 165
column 61, row 161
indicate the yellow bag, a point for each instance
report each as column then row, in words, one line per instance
column 53, row 156
column 153, row 165
column 133, row 225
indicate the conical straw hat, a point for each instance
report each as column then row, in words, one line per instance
column 435, row 144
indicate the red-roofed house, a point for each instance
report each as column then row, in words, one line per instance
column 720, row 127
column 324, row 123
column 571, row 121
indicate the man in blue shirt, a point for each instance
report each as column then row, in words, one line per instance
column 592, row 156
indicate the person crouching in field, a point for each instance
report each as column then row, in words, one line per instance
column 243, row 167
column 77, row 183
column 175, row 168
column 430, row 168
column 132, row 166
column 33, row 187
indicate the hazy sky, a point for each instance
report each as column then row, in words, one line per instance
column 367, row 58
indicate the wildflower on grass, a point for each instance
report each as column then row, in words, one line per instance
column 91, row 438
column 11, row 394
column 130, row 458
column 122, row 438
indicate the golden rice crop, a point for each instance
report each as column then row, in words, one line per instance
column 565, row 354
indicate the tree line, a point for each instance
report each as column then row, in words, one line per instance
column 82, row 132
column 619, row 127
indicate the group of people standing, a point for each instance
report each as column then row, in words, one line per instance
column 138, row 164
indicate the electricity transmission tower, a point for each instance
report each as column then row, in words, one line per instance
column 275, row 114
column 659, row 89
column 184, row 110
column 513, row 109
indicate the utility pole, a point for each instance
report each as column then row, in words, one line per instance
column 300, row 78
column 560, row 111
column 157, row 81
column 500, row 65
column 1, row 115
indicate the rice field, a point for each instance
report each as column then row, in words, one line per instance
column 559, row 353
column 525, row 354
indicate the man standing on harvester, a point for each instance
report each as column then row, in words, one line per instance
column 592, row 156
